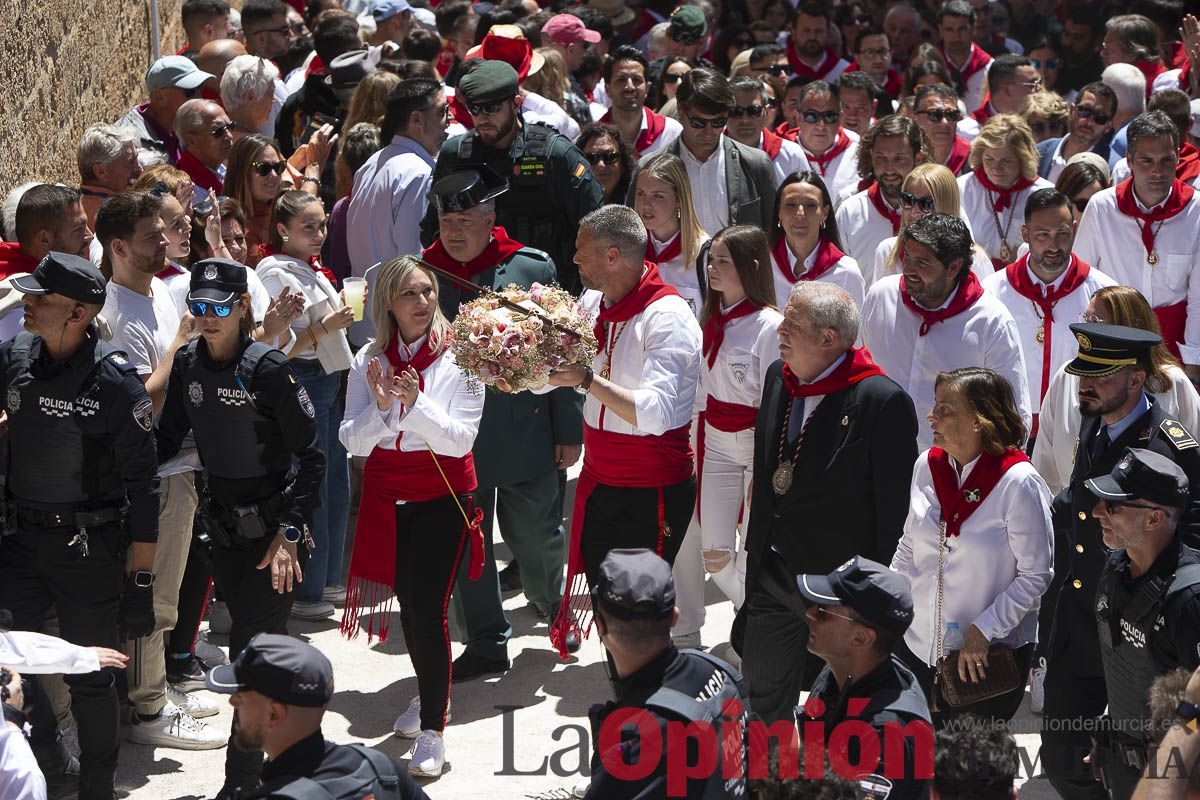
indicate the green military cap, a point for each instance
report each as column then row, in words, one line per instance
column 491, row 80
column 689, row 20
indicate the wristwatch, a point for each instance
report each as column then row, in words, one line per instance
column 1187, row 711
column 586, row 383
column 291, row 534
column 143, row 579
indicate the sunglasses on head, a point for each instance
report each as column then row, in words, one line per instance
column 220, row 130
column 755, row 111
column 828, row 117
column 609, row 157
column 937, row 116
column 200, row 309
column 485, row 109
column 909, row 200
column 160, row 190
column 699, row 123
column 685, row 38
column 265, row 168
column 1087, row 112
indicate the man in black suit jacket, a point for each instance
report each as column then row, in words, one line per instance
column 834, row 448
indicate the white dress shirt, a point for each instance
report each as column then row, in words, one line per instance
column 842, row 171
column 710, row 196
column 981, row 265
column 665, row 139
column 682, row 276
column 983, row 335
column 845, row 273
column 535, row 108
column 750, row 347
column 445, row 416
column 789, row 159
column 278, row 271
column 973, row 94
column 862, row 227
column 994, row 571
column 977, row 206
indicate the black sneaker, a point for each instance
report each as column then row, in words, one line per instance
column 186, row 674
column 510, row 577
column 469, row 666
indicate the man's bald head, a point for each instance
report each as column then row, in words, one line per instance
column 216, row 55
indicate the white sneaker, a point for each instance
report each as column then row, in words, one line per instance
column 173, row 728
column 580, row 790
column 1037, row 687
column 408, row 724
column 219, row 621
column 194, row 705
column 209, row 653
column 428, row 755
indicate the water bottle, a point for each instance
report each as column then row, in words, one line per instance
column 952, row 639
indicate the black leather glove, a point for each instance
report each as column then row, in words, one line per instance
column 136, row 618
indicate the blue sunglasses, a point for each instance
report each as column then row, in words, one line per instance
column 200, row 309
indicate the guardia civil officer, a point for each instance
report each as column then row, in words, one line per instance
column 82, row 482
column 524, row 438
column 1147, row 606
column 634, row 603
column 551, row 184
column 856, row 615
column 281, row 689
column 250, row 418
column 1112, row 363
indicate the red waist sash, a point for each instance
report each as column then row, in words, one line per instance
column 729, row 417
column 1171, row 322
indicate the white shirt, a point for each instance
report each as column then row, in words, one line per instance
column 994, row 571
column 842, row 171
column 535, row 108
column 20, row 776
column 665, row 139
column 750, row 347
column 789, row 159
column 983, row 335
column 862, row 227
column 682, row 276
column 278, row 271
column 1027, row 315
column 657, row 358
column 977, row 206
column 710, row 197
column 278, row 98
column 1060, row 421
column 1112, row 241
column 39, row 654
column 981, row 265
column 973, row 96
column 845, row 273
column 1121, row 173
column 445, row 416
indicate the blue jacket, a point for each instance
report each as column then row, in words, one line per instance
column 1046, row 152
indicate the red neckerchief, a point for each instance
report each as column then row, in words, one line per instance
column 673, row 249
column 784, row 131
column 1188, row 168
column 201, row 175
column 1019, row 278
column 958, row 503
column 969, row 291
column 650, row 288
column 1151, row 69
column 445, row 61
column 839, row 147
column 1177, row 200
column 13, row 260
column 1185, row 80
column 714, row 329
column 801, row 70
column 426, row 354
column 655, row 125
column 771, row 144
column 891, row 86
column 1174, row 54
column 892, row 215
column 497, row 250
column 855, row 367
column 826, row 258
column 460, row 113
column 984, row 112
column 170, row 270
column 313, row 261
column 976, row 61
column 1003, row 196
column 958, row 155
column 315, row 67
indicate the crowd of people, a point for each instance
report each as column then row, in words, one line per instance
column 898, row 320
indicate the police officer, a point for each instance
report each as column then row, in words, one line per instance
column 250, row 418
column 524, row 438
column 634, row 604
column 856, row 615
column 281, row 688
column 1147, row 606
column 1113, row 364
column 82, row 480
column 552, row 186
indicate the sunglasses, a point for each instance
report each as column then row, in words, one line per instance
column 828, row 117
column 284, row 31
column 671, row 78
column 823, row 611
column 1042, row 128
column 265, row 168
column 778, row 70
column 222, row 310
column 699, row 123
column 938, row 116
column 160, row 190
column 1087, row 112
column 220, row 130
column 754, row 111
column 609, row 157
column 685, row 38
column 909, row 200
column 1049, row 63
column 485, row 109
column 1111, row 506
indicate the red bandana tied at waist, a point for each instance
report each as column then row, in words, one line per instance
column 655, row 125
column 772, row 143
column 821, row 162
column 958, row 155
column 499, row 249
column 201, row 175
column 959, row 503
column 1177, row 201
column 1004, row 197
column 673, row 249
column 826, row 258
column 313, row 261
column 828, row 61
column 875, row 195
column 968, row 293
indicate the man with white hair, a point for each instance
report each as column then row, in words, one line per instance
column 108, row 164
column 656, row 41
column 1129, row 85
column 247, row 91
column 171, row 81
column 206, row 137
column 903, row 28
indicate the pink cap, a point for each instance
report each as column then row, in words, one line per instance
column 567, row 29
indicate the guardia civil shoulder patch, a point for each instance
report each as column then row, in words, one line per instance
column 579, row 170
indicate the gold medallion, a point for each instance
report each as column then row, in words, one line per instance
column 1152, row 259
column 781, row 481
column 1041, row 334
column 1005, row 253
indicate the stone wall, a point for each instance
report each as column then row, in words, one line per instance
column 64, row 65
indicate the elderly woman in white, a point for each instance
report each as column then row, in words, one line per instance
column 977, row 544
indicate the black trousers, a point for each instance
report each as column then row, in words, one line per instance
column 254, row 607
column 194, row 591
column 1072, row 700
column 995, row 711
column 39, row 571
column 624, row 517
column 430, row 541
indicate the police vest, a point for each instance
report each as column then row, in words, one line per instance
column 374, row 778
column 236, row 440
column 1127, row 621
column 59, row 452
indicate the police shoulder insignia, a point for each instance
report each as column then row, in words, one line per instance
column 118, row 358
column 306, row 403
column 143, row 414
column 875, row 787
column 1178, row 435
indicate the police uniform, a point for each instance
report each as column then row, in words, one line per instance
column 893, row 697
column 82, row 480
column 551, row 183
column 250, row 418
column 1148, row 624
column 679, row 686
column 1075, row 683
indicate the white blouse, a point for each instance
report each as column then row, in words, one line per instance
column 278, row 271
column 981, row 265
column 862, row 228
column 845, row 273
column 750, row 347
column 682, row 275
column 994, row 572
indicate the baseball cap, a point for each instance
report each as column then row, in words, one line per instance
column 65, row 274
column 690, row 20
column 284, row 669
column 635, row 584
column 178, row 71
column 879, row 595
column 565, row 29
column 1143, row 475
column 217, row 280
column 386, row 9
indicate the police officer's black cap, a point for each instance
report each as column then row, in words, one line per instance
column 490, row 80
column 217, row 280
column 65, row 274
column 1105, row 349
column 1142, row 475
column 282, row 668
column 877, row 594
column 635, row 584
column 465, row 189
